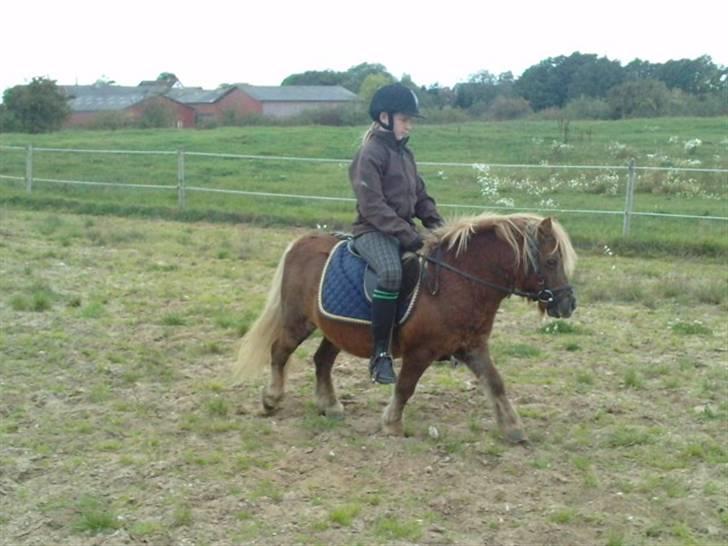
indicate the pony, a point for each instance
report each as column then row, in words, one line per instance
column 470, row 265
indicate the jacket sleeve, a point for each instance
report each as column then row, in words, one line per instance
column 425, row 208
column 366, row 175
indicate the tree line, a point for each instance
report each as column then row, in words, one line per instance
column 577, row 86
column 584, row 84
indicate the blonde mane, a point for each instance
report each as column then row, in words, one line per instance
column 510, row 228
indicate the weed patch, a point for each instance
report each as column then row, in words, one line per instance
column 94, row 516
column 694, row 328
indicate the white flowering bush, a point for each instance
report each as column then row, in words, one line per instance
column 506, row 202
column 692, row 145
column 493, row 187
column 557, row 148
column 488, row 184
column 673, row 183
column 619, row 150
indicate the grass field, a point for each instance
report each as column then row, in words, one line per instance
column 118, row 424
column 652, row 143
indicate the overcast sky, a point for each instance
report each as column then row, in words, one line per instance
column 262, row 41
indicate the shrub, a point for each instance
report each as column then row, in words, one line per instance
column 157, row 115
column 548, row 114
column 110, row 121
column 445, row 115
column 506, row 108
column 588, row 108
column 38, row 107
column 8, row 123
column 338, row 116
column 639, row 98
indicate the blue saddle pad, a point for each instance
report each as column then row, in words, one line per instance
column 341, row 293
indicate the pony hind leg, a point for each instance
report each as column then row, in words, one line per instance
column 488, row 376
column 326, row 400
column 281, row 350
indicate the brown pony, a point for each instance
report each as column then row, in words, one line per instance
column 475, row 263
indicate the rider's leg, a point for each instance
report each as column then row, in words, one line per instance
column 382, row 253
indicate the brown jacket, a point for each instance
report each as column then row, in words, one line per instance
column 389, row 192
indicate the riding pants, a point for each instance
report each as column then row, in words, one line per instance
column 381, row 252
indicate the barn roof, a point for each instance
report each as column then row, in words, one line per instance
column 107, row 98
column 299, row 93
column 197, row 95
column 96, row 98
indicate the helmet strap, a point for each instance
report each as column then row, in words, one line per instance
column 389, row 126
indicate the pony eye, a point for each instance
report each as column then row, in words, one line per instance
column 552, row 262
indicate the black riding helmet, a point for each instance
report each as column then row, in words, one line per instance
column 393, row 99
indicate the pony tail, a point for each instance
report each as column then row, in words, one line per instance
column 367, row 136
column 255, row 348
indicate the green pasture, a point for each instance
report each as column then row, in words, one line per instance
column 118, row 423
column 663, row 142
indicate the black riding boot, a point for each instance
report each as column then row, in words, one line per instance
column 383, row 315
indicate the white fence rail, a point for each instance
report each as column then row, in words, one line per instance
column 182, row 188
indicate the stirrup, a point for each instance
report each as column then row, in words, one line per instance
column 381, row 369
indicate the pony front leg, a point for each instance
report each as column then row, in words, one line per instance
column 482, row 366
column 409, row 375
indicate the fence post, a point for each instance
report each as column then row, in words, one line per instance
column 29, row 168
column 629, row 199
column 181, row 197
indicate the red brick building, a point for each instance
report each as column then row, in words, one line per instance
column 95, row 105
column 223, row 105
column 168, row 104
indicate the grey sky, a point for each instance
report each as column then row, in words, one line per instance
column 206, row 44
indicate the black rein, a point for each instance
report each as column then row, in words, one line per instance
column 545, row 295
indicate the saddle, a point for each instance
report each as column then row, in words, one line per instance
column 347, row 285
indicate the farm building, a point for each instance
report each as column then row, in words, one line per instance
column 93, row 104
column 193, row 106
column 290, row 100
column 219, row 105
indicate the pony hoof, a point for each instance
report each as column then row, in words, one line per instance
column 393, row 429
column 271, row 404
column 333, row 412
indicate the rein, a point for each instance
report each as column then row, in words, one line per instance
column 544, row 295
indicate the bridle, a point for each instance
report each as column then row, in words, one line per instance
column 546, row 296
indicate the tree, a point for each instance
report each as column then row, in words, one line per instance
column 370, row 85
column 168, row 78
column 594, row 78
column 639, row 70
column 435, row 96
column 697, row 76
column 8, row 122
column 352, row 79
column 39, row 107
column 356, row 75
column 639, row 98
column 481, row 87
column 541, row 86
column 314, row 77
column 555, row 80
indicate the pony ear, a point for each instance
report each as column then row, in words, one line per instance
column 545, row 228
